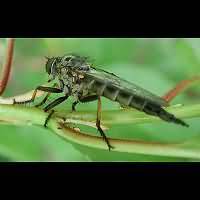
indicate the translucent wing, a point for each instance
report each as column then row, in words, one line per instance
column 110, row 78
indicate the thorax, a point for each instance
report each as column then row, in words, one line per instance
column 73, row 83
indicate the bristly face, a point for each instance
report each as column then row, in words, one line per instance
column 69, row 62
column 51, row 64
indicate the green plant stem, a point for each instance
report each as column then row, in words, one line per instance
column 18, row 114
column 131, row 116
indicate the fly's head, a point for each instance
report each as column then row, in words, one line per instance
column 52, row 66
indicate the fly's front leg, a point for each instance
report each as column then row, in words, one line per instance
column 45, row 98
column 41, row 88
column 98, row 123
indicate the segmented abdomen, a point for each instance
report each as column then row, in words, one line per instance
column 127, row 98
column 114, row 93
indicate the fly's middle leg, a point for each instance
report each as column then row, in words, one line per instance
column 84, row 100
column 74, row 106
column 48, row 118
column 44, row 100
column 98, row 124
column 52, row 105
column 98, row 120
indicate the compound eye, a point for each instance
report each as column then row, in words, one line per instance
column 50, row 64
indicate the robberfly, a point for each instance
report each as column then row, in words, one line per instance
column 77, row 77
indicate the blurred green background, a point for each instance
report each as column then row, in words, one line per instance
column 155, row 64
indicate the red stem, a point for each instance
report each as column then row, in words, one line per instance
column 7, row 66
column 179, row 88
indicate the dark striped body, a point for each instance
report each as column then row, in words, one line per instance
column 126, row 98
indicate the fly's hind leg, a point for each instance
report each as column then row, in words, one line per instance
column 98, row 120
column 98, row 124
